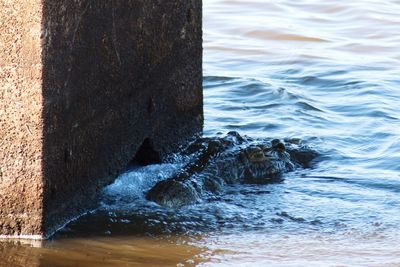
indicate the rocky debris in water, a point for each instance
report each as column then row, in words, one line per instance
column 228, row 160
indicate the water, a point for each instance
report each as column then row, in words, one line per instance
column 324, row 71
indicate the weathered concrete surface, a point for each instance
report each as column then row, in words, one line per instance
column 83, row 85
column 21, row 124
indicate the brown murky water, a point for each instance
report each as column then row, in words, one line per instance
column 97, row 252
column 324, row 71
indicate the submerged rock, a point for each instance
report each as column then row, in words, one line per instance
column 229, row 160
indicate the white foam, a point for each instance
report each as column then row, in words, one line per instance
column 134, row 182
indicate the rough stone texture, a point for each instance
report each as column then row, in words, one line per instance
column 83, row 84
column 21, row 124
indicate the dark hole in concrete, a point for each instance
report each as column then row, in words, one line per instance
column 146, row 154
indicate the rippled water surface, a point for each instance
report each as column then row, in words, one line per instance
column 324, row 71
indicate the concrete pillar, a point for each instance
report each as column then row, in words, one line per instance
column 85, row 86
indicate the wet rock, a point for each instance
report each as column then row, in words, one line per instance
column 229, row 160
